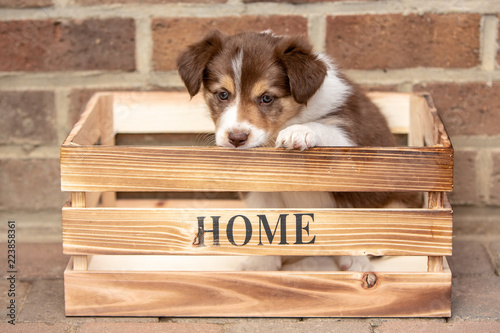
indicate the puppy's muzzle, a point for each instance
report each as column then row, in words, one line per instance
column 237, row 139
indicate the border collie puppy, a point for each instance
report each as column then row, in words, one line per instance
column 269, row 90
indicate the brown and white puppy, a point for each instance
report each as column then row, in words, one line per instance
column 268, row 90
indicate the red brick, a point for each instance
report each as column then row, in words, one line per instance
column 101, row 2
column 28, row 117
column 172, row 35
column 58, row 45
column 25, row 3
column 467, row 108
column 398, row 41
column 30, row 184
column 150, row 327
column 494, row 198
column 464, row 178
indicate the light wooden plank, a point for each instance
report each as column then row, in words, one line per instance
column 243, row 231
column 257, row 294
column 165, row 112
column 426, row 126
column 262, row 169
column 92, row 199
column 435, row 200
column 199, row 202
column 421, row 123
column 87, row 126
column 435, row 264
column 95, row 123
column 396, row 109
column 109, row 199
column 177, row 112
column 107, row 120
column 221, row 263
column 79, row 200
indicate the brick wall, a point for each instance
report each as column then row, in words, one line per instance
column 55, row 53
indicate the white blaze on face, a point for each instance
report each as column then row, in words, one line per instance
column 230, row 121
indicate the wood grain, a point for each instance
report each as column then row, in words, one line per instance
column 88, row 168
column 257, row 294
column 79, row 200
column 435, row 264
column 334, row 231
column 95, row 124
column 396, row 109
column 177, row 112
column 161, row 112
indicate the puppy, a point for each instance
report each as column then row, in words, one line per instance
column 268, row 90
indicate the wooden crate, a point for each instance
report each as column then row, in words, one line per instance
column 100, row 231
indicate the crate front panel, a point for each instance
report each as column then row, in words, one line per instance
column 126, row 168
column 257, row 294
column 257, row 231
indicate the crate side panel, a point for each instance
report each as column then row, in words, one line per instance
column 177, row 112
column 219, row 169
column 396, row 109
column 258, row 294
column 95, row 124
column 257, row 232
column 161, row 112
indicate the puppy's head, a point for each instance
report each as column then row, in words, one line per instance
column 253, row 83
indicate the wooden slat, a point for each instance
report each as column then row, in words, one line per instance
column 109, row 199
column 161, row 112
column 396, row 109
column 308, row 232
column 436, row 200
column 262, row 169
column 95, row 124
column 177, row 112
column 79, row 200
column 257, row 294
column 422, row 130
column 435, row 264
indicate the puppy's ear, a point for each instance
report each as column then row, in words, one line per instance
column 192, row 63
column 305, row 71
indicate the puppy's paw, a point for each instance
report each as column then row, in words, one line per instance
column 354, row 263
column 296, row 137
column 261, row 263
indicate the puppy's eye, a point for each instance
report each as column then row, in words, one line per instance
column 223, row 95
column 266, row 99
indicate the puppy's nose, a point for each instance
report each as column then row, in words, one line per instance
column 237, row 139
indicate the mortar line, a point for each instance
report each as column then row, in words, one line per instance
column 19, row 152
column 489, row 46
column 98, row 79
column 143, row 45
column 484, row 168
column 62, row 106
column 316, row 30
column 232, row 8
